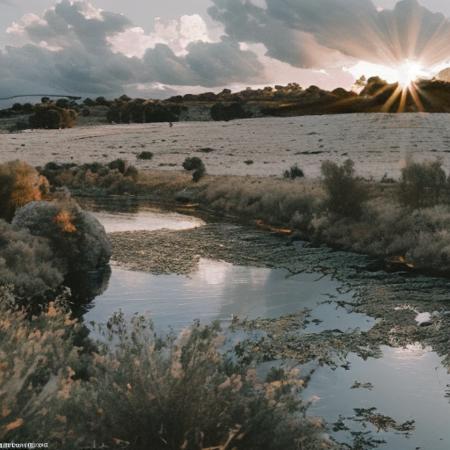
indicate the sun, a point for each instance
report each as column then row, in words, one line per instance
column 408, row 72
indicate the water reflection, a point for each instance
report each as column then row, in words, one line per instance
column 408, row 384
column 86, row 286
column 122, row 214
column 219, row 290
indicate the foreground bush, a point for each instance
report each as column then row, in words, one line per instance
column 140, row 391
column 76, row 237
column 27, row 263
column 346, row 194
column 19, row 185
column 38, row 356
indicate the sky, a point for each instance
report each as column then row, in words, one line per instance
column 160, row 48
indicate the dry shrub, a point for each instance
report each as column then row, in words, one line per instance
column 184, row 393
column 117, row 177
column 19, row 185
column 386, row 229
column 38, row 357
column 274, row 201
column 139, row 390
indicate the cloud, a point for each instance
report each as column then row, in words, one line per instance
column 321, row 33
column 177, row 34
column 78, row 49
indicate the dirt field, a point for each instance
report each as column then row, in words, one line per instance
column 378, row 143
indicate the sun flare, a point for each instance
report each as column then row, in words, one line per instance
column 408, row 72
column 405, row 72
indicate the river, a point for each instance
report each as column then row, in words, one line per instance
column 404, row 382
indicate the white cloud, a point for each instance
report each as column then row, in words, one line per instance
column 19, row 28
column 177, row 34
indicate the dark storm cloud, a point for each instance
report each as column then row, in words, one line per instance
column 354, row 28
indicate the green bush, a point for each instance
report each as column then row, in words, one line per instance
column 345, row 193
column 145, row 156
column 422, row 184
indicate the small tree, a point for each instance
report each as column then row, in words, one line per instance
column 345, row 193
column 422, row 184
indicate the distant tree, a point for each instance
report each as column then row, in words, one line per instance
column 51, row 116
column 89, row 102
column 221, row 111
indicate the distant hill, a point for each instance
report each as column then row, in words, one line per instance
column 292, row 100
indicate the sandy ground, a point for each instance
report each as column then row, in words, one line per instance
column 378, row 143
